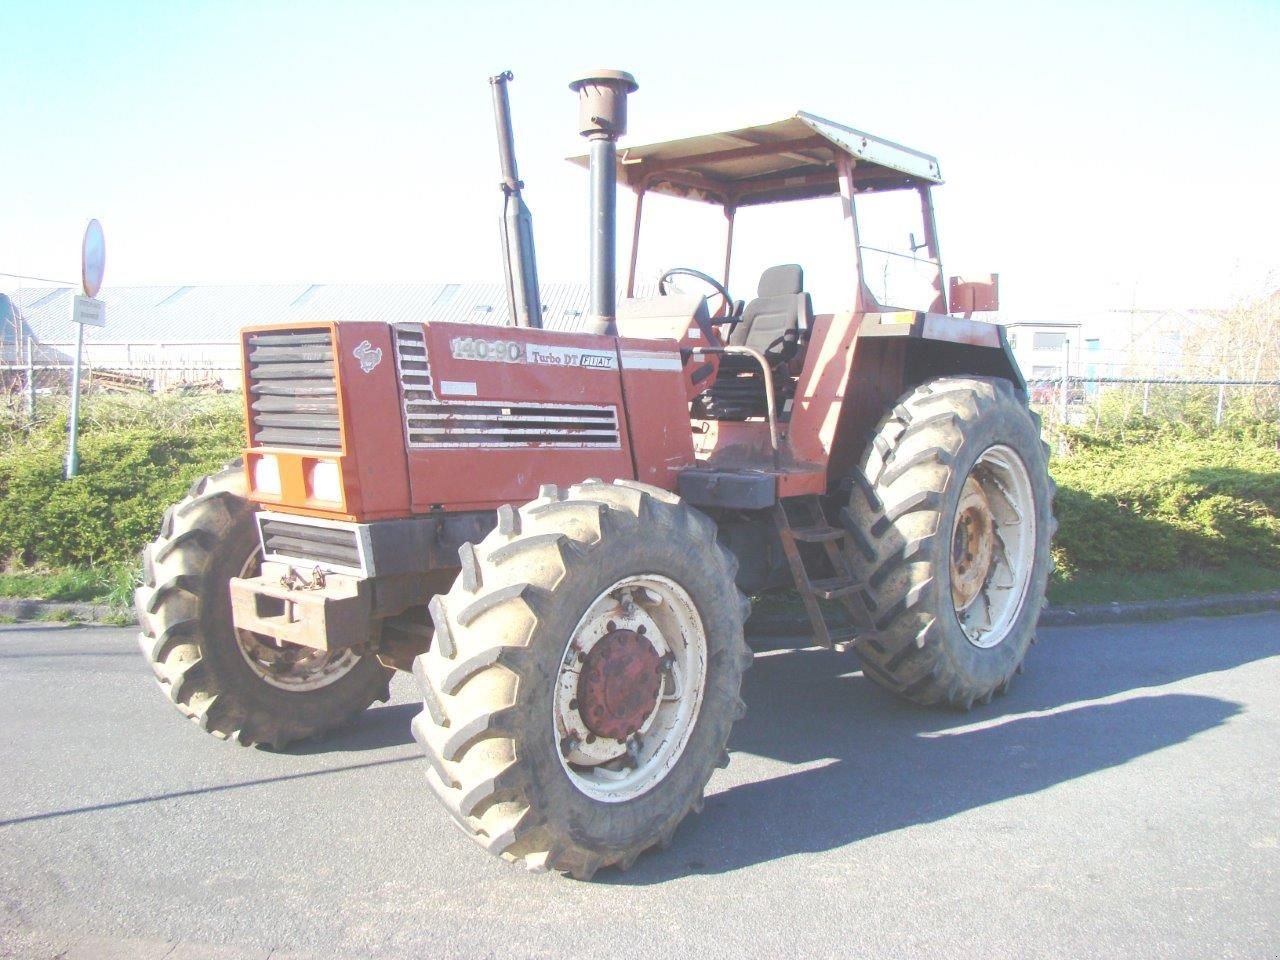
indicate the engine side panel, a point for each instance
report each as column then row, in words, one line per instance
column 654, row 383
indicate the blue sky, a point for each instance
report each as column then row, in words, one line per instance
column 1096, row 154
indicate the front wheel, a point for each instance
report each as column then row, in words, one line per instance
column 951, row 517
column 584, row 676
column 235, row 684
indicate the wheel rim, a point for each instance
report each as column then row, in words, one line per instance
column 993, row 546
column 629, row 688
column 290, row 666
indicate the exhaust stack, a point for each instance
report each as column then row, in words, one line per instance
column 518, row 259
column 602, row 119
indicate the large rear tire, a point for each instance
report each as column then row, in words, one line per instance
column 951, row 517
column 584, row 676
column 234, row 684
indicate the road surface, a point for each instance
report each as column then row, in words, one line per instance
column 1121, row 800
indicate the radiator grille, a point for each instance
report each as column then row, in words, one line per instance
column 293, row 394
column 430, row 422
column 458, row 424
column 326, row 546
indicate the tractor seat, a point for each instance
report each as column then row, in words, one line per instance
column 774, row 321
column 772, row 324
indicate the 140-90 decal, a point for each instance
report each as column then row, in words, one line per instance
column 497, row 351
column 510, row 351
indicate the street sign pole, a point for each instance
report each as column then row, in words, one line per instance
column 86, row 309
column 73, row 459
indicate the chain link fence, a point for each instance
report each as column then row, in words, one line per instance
column 1073, row 400
column 1082, row 400
column 24, row 385
column 33, row 371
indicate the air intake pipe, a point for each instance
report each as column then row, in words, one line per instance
column 517, row 222
column 602, row 119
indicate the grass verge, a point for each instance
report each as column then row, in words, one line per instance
column 1183, row 584
column 1099, row 589
column 112, row 585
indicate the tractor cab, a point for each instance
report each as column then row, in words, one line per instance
column 766, row 388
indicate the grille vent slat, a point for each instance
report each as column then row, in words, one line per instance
column 293, row 390
column 309, row 544
column 294, row 418
column 293, row 370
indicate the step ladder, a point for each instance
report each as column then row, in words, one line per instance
column 801, row 520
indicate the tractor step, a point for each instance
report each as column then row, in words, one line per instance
column 834, row 588
column 802, row 520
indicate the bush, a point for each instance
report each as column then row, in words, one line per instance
column 1133, row 497
column 135, row 460
column 1175, row 410
column 1166, row 499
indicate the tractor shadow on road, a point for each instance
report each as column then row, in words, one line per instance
column 385, row 725
column 1091, row 699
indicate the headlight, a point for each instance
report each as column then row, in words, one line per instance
column 324, row 481
column 266, row 475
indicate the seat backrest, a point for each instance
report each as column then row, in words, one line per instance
column 781, row 307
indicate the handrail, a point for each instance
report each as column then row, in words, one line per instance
column 769, row 398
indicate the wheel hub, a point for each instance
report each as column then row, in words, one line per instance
column 619, row 684
column 629, row 687
column 993, row 546
column 972, row 544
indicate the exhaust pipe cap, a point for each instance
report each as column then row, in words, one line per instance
column 602, row 103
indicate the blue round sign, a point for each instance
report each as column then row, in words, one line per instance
column 93, row 259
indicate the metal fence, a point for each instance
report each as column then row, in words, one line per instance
column 23, row 384
column 1073, row 399
column 1069, row 399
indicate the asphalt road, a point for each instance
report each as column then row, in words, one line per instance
column 1120, row 801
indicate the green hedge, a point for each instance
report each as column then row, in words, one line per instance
column 136, row 458
column 1128, row 500
column 1163, row 500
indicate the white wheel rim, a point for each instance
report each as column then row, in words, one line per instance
column 290, row 666
column 997, row 501
column 659, row 611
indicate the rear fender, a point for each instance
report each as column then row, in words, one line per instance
column 894, row 352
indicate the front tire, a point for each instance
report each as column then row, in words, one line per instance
column 951, row 517
column 234, row 684
column 584, row 676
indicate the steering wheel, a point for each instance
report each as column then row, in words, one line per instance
column 725, row 313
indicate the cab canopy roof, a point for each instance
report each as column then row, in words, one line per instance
column 791, row 159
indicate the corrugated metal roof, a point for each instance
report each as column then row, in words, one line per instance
column 15, row 335
column 215, row 314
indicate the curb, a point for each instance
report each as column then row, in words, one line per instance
column 781, row 624
column 790, row 624
column 1160, row 609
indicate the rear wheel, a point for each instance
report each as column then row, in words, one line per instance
column 236, row 684
column 951, row 519
column 584, row 676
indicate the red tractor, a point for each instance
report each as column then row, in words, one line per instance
column 556, row 532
